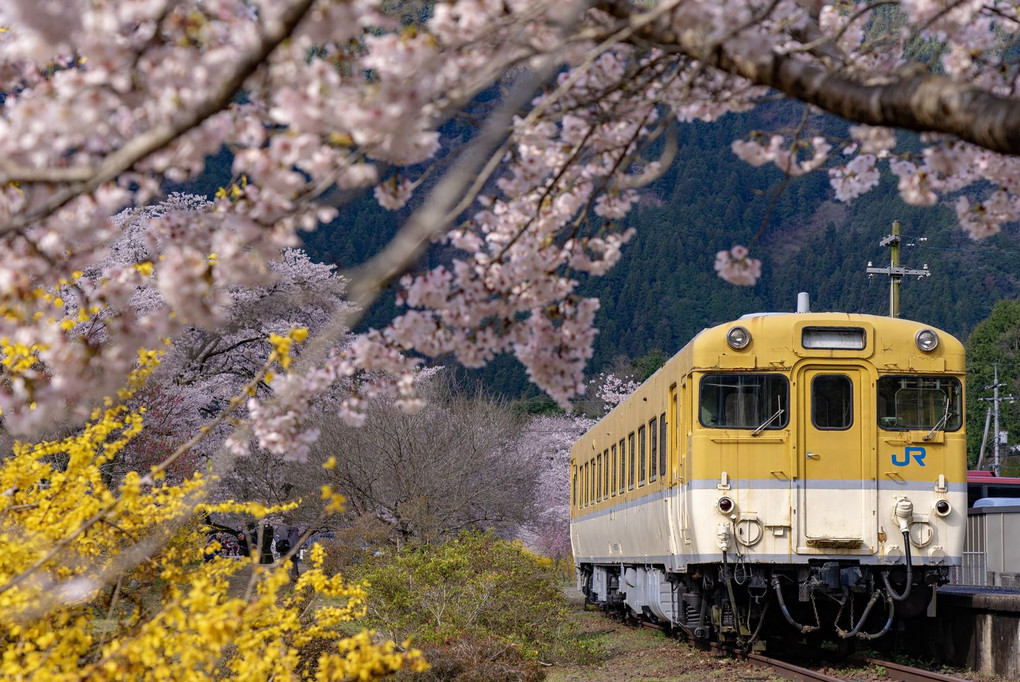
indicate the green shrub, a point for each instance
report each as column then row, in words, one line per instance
column 473, row 598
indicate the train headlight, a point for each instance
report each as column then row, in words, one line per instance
column 943, row 508
column 738, row 338
column 725, row 505
column 926, row 340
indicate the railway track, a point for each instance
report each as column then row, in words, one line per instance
column 893, row 671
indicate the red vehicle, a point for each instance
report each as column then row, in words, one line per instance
column 986, row 484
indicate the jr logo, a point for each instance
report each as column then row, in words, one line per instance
column 904, row 459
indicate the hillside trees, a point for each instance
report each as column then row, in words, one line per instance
column 995, row 341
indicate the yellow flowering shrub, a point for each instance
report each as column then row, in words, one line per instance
column 116, row 582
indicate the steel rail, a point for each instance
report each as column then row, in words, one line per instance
column 789, row 670
column 904, row 673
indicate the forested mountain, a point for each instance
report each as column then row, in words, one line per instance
column 664, row 290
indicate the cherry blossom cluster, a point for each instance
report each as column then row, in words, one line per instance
column 982, row 186
column 737, row 267
column 612, row 390
column 554, row 214
column 547, row 441
column 105, row 103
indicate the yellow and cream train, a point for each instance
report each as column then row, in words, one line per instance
column 806, row 468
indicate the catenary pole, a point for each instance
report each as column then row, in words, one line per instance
column 895, row 272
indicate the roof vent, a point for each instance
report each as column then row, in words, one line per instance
column 803, row 302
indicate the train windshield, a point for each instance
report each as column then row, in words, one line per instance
column 744, row 401
column 920, row 402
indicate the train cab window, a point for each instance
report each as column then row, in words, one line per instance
column 623, row 466
column 832, row 402
column 662, row 444
column 642, row 457
column 598, row 479
column 653, row 450
column 920, row 402
column 630, row 471
column 612, row 483
column 744, row 401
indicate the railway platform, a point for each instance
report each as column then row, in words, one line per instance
column 975, row 627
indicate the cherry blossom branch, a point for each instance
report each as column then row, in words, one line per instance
column 922, row 102
column 561, row 90
column 787, row 176
column 428, row 222
column 823, row 39
column 157, row 138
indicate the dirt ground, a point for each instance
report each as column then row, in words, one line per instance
column 642, row 654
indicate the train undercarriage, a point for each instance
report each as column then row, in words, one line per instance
column 741, row 605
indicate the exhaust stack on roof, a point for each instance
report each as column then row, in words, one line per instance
column 803, row 302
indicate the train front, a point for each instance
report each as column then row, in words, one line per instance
column 827, row 466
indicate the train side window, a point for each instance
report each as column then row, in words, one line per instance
column 744, row 401
column 605, row 474
column 587, row 489
column 642, row 456
column 613, row 480
column 623, row 466
column 832, row 402
column 653, row 449
column 630, row 443
column 584, row 485
column 662, row 444
column 598, row 479
column 591, row 482
column 573, row 495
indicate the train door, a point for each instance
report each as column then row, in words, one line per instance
column 678, row 459
column 834, row 501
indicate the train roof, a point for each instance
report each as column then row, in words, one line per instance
column 779, row 340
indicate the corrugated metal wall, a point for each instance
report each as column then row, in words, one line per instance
column 991, row 551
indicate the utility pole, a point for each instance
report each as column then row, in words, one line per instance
column 995, row 400
column 895, row 272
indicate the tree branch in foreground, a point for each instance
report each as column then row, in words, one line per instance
column 913, row 100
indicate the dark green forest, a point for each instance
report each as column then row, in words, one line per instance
column 664, row 290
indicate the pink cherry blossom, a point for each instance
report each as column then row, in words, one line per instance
column 736, row 267
column 317, row 100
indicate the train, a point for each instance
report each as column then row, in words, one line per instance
column 783, row 474
column 985, row 485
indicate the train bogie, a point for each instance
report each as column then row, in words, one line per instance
column 806, row 468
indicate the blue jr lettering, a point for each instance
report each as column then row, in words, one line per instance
column 917, row 453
